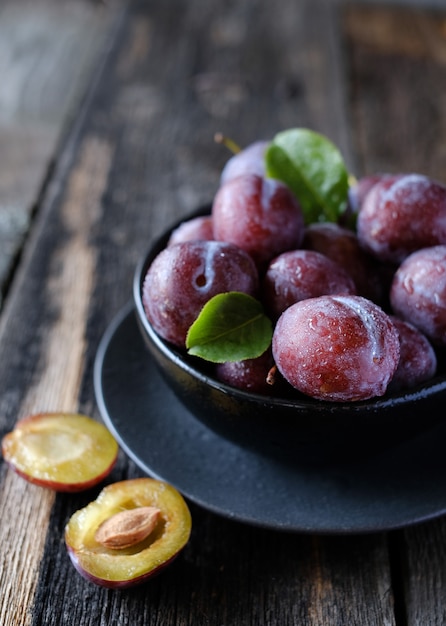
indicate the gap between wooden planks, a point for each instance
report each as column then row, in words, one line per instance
column 26, row 508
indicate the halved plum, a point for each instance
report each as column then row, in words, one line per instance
column 62, row 451
column 153, row 512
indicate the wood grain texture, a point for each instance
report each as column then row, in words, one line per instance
column 59, row 367
column 168, row 86
column 398, row 64
column 142, row 155
column 398, row 78
column 53, row 377
column 48, row 50
column 423, row 554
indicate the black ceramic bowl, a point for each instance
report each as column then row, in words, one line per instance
column 298, row 427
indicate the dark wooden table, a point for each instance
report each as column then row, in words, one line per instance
column 107, row 118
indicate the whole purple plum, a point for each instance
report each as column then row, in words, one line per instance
column 418, row 292
column 401, row 215
column 184, row 276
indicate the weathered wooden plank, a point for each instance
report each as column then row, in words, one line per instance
column 145, row 155
column 398, row 65
column 423, row 554
column 54, row 384
column 48, row 50
column 48, row 53
column 148, row 137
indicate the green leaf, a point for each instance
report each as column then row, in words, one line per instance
column 313, row 168
column 231, row 327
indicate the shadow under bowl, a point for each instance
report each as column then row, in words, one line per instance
column 296, row 427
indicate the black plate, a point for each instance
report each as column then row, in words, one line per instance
column 396, row 488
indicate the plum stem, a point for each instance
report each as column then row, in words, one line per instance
column 271, row 376
column 228, row 142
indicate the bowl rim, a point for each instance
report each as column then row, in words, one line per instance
column 419, row 392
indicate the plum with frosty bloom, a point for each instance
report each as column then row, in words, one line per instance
column 183, row 277
column 337, row 348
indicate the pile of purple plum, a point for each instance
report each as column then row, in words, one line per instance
column 356, row 312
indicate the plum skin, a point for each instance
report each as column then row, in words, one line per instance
column 418, row 292
column 197, row 228
column 250, row 374
column 184, row 276
column 418, row 360
column 402, row 214
column 337, row 348
column 342, row 245
column 259, row 215
column 250, row 160
column 116, row 584
column 301, row 274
